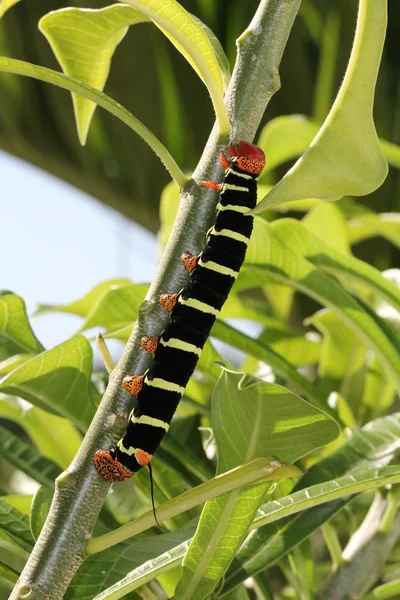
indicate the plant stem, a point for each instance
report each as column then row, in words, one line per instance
column 80, row 492
column 243, row 475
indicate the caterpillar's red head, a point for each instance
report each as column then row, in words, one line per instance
column 108, row 468
column 248, row 157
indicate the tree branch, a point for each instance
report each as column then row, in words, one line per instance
column 80, row 492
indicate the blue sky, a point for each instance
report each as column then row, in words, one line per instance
column 57, row 243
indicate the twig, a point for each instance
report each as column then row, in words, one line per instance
column 80, row 492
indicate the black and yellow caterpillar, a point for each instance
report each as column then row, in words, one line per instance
column 193, row 312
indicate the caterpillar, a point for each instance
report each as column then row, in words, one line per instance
column 193, row 312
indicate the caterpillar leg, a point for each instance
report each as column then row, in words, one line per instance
column 168, row 301
column 109, row 468
column 189, row 261
column 149, row 343
column 214, row 185
column 133, row 384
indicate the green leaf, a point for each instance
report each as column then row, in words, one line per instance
column 370, row 224
column 345, row 157
column 220, row 55
column 40, row 509
column 261, row 351
column 84, row 306
column 361, row 480
column 58, row 381
column 344, row 267
column 326, row 221
column 9, row 364
column 285, row 138
column 6, row 573
column 54, row 437
column 16, row 525
column 192, row 41
column 19, row 67
column 28, row 460
column 111, row 304
column 251, row 419
column 16, row 335
column 387, row 590
column 374, row 446
column 102, row 570
column 330, row 42
column 84, row 42
column 5, row 5
column 116, row 307
column 283, row 262
column 342, row 359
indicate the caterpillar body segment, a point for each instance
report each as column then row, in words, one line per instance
column 193, row 313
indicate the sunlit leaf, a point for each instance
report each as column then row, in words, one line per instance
column 54, row 437
column 343, row 357
column 102, row 570
column 40, row 509
column 345, row 157
column 262, row 352
column 273, row 254
column 27, row 459
column 373, row 447
column 83, row 306
column 58, row 381
column 16, row 335
column 193, row 42
column 84, row 41
column 344, row 267
column 370, row 224
column 285, row 138
column 327, row 222
column 251, row 419
column 5, row 5
column 16, row 525
column 19, row 67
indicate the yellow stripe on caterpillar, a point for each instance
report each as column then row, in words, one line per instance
column 163, row 384
column 233, row 188
column 198, row 305
column 239, row 209
column 181, row 345
column 128, row 451
column 146, row 420
column 234, row 235
column 232, row 172
column 213, row 266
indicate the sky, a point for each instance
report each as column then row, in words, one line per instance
column 57, row 243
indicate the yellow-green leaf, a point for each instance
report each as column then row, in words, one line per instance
column 5, row 5
column 193, row 42
column 345, row 157
column 84, row 42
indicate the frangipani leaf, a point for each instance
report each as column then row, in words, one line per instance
column 58, row 381
column 84, row 41
column 251, row 419
column 5, row 5
column 345, row 157
column 194, row 43
column 16, row 335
